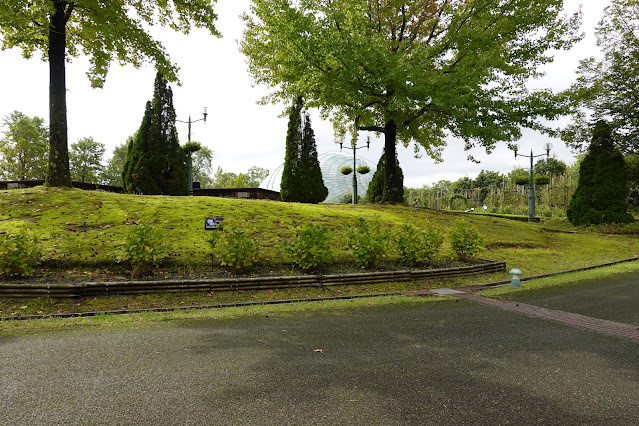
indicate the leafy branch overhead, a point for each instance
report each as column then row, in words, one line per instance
column 104, row 31
column 607, row 86
column 433, row 68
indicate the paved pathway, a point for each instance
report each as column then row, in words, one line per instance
column 595, row 324
column 454, row 362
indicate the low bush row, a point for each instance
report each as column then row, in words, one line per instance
column 367, row 240
column 236, row 247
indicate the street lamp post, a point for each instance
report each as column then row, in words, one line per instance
column 354, row 147
column 189, row 160
column 531, row 191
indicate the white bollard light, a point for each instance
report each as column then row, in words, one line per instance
column 515, row 282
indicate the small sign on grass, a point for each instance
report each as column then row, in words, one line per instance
column 213, row 223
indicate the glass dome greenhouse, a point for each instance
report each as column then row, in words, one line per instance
column 338, row 184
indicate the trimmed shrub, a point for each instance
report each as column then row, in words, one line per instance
column 377, row 192
column 234, row 245
column 602, row 189
column 19, row 254
column 418, row 246
column 541, row 180
column 346, row 170
column 362, row 170
column 310, row 247
column 347, row 198
column 465, row 241
column 368, row 242
column 143, row 247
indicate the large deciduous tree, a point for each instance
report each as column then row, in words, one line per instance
column 415, row 70
column 607, row 87
column 203, row 167
column 155, row 162
column 23, row 149
column 550, row 166
column 602, row 189
column 112, row 172
column 85, row 160
column 251, row 179
column 105, row 31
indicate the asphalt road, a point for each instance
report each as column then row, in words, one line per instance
column 427, row 363
column 616, row 298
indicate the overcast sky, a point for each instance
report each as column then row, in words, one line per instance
column 241, row 133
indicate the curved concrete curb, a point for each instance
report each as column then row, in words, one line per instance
column 229, row 284
column 278, row 302
column 552, row 274
column 188, row 308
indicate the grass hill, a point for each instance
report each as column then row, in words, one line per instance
column 80, row 231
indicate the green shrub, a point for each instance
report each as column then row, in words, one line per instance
column 19, row 254
column 631, row 228
column 418, row 246
column 464, row 240
column 143, row 247
column 346, row 170
column 234, row 244
column 368, row 242
column 347, row 198
column 310, row 247
column 362, row 170
column 522, row 180
column 541, row 180
column 602, row 190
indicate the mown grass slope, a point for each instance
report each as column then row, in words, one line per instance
column 81, row 230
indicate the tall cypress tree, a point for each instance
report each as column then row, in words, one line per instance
column 290, row 185
column 302, row 177
column 602, row 189
column 377, row 187
column 156, row 164
column 313, row 189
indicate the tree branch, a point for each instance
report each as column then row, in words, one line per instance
column 432, row 33
column 403, row 28
column 69, row 11
column 371, row 129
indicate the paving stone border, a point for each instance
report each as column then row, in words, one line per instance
column 581, row 321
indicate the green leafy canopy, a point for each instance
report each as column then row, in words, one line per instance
column 105, row 31
column 606, row 87
column 435, row 68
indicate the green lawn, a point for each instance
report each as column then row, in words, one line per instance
column 80, row 232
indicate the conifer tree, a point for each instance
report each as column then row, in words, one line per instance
column 289, row 187
column 312, row 184
column 156, row 164
column 302, row 177
column 602, row 189
column 379, row 185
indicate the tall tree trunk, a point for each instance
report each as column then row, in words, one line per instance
column 393, row 183
column 58, row 173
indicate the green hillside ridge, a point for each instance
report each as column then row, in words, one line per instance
column 81, row 230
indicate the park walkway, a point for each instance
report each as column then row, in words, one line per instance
column 594, row 324
column 454, row 362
